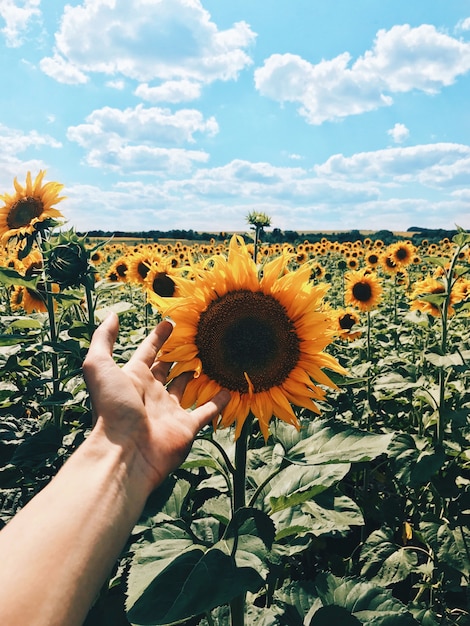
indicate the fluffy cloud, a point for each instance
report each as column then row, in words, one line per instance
column 146, row 40
column 399, row 133
column 402, row 59
column 14, row 141
column 433, row 165
column 142, row 140
column 17, row 19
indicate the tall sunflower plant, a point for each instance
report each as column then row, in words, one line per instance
column 43, row 274
column 263, row 485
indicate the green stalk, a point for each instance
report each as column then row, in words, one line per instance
column 449, row 283
column 237, row 605
column 90, row 308
column 56, row 412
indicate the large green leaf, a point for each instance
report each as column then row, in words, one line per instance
column 369, row 604
column 296, row 484
column 172, row 578
column 336, row 443
column 414, row 466
column 10, row 277
column 385, row 561
column 450, row 544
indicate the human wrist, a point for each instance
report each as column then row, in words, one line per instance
column 120, row 457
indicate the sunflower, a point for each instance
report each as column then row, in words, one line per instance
column 29, row 206
column 260, row 338
column 388, row 264
column 363, row 290
column 402, row 253
column 161, row 280
column 346, row 320
column 430, row 286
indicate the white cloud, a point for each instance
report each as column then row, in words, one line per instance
column 464, row 24
column 430, row 164
column 15, row 141
column 18, row 14
column 170, row 91
column 142, row 139
column 399, row 133
column 63, row 72
column 145, row 40
column 119, row 85
column 402, row 59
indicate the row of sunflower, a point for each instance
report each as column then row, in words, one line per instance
column 359, row 350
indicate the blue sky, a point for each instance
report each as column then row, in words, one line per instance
column 162, row 114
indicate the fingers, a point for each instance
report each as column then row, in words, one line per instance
column 148, row 349
column 178, row 385
column 101, row 346
column 203, row 415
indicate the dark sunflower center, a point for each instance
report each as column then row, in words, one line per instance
column 373, row 258
column 347, row 321
column 121, row 269
column 401, row 254
column 142, row 269
column 163, row 285
column 246, row 331
column 23, row 211
column 362, row 292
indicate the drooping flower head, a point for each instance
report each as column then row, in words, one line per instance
column 260, row 338
column 29, row 207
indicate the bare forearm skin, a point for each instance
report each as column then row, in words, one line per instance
column 71, row 532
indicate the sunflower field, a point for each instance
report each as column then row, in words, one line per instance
column 335, row 486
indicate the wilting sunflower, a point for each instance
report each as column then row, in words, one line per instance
column 260, row 338
column 363, row 290
column 29, row 206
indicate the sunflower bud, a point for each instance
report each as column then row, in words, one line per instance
column 67, row 261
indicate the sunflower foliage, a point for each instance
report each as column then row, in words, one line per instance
column 360, row 515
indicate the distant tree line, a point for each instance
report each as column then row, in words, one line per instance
column 276, row 235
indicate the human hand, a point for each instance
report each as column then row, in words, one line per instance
column 132, row 407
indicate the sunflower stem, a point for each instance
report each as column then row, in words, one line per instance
column 90, row 309
column 237, row 605
column 56, row 410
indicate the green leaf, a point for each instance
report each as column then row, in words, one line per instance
column 10, row 277
column 297, row 484
column 295, row 598
column 412, row 466
column 37, row 448
column 333, row 614
column 448, row 360
column 59, row 398
column 336, row 443
column 205, row 454
column 12, row 340
column 449, row 544
column 384, row 561
column 25, row 322
column 172, row 578
column 370, row 605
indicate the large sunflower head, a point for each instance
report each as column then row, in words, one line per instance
column 363, row 290
column 29, row 207
column 260, row 337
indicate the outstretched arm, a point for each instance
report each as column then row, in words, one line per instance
column 58, row 550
